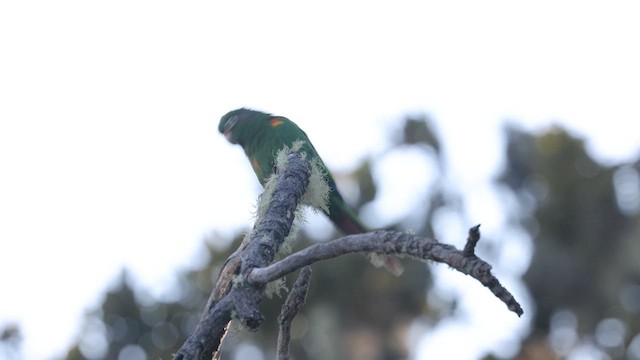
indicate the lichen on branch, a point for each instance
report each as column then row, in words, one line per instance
column 243, row 279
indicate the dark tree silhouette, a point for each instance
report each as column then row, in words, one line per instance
column 584, row 276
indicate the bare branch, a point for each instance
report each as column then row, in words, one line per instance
column 397, row 243
column 244, row 297
column 240, row 287
column 290, row 309
column 207, row 337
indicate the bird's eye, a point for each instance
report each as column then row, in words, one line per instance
column 231, row 123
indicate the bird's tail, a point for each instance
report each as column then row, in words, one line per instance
column 348, row 222
column 390, row 263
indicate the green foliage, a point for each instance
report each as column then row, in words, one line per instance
column 124, row 322
column 367, row 186
column 584, row 244
column 418, row 130
column 128, row 318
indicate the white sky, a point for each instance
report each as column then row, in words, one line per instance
column 109, row 113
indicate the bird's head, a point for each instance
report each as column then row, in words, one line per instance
column 233, row 121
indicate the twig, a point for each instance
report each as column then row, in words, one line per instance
column 290, row 309
column 472, row 240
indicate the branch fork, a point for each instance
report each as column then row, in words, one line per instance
column 244, row 276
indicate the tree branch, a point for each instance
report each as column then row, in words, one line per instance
column 243, row 297
column 397, row 243
column 242, row 280
column 290, row 309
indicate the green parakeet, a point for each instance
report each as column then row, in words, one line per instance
column 261, row 135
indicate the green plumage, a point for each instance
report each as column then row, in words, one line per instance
column 261, row 135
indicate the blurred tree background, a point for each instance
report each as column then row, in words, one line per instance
column 582, row 217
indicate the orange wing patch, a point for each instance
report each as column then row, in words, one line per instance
column 275, row 122
column 256, row 165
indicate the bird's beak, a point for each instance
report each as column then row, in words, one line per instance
column 230, row 137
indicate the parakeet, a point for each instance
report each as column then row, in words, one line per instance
column 261, row 135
